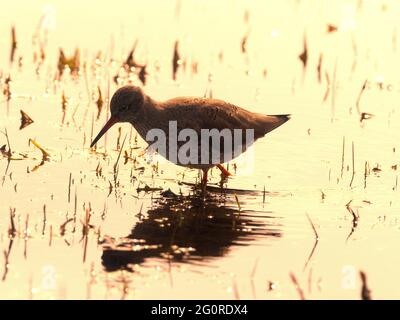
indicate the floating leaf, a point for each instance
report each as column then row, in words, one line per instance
column 25, row 120
column 330, row 28
column 365, row 116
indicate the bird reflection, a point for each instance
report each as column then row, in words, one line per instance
column 186, row 229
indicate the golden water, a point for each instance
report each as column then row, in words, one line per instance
column 142, row 247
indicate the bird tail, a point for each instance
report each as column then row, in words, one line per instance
column 274, row 121
column 282, row 117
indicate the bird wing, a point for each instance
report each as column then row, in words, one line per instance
column 205, row 113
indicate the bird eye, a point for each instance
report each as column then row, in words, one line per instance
column 124, row 108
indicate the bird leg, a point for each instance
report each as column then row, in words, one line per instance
column 225, row 172
column 204, row 180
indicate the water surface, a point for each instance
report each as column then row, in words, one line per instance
column 141, row 242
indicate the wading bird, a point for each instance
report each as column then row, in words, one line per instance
column 131, row 104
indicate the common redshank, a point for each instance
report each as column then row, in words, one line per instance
column 191, row 116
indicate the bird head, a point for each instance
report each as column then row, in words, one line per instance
column 124, row 106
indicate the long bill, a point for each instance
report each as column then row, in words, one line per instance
column 107, row 126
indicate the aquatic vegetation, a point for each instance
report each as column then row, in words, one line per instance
column 25, row 120
column 319, row 198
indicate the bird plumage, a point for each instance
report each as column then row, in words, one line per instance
column 205, row 113
column 131, row 104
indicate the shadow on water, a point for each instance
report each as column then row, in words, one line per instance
column 186, row 229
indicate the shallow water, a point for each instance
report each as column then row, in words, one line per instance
column 143, row 243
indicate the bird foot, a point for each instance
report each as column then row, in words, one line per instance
column 225, row 172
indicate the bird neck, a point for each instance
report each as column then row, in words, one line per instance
column 146, row 118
